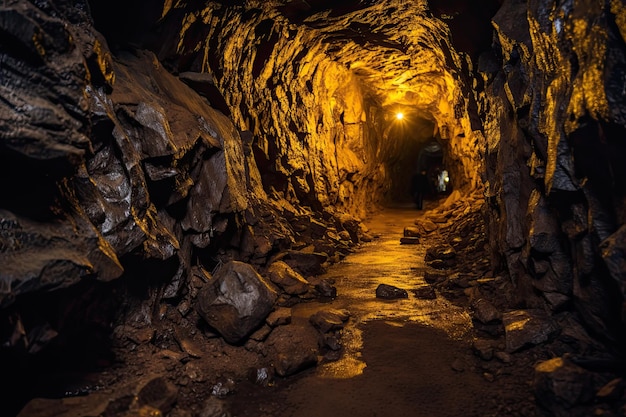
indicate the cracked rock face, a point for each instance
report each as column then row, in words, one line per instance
column 553, row 120
column 194, row 133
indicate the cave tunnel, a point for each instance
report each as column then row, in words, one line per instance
column 208, row 208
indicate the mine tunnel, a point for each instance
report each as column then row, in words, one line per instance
column 312, row 208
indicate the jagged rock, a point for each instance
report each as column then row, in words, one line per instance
column 485, row 312
column 236, row 301
column 483, row 348
column 412, row 232
column 442, row 252
column 294, row 348
column 560, row 385
column 527, row 327
column 279, row 317
column 435, row 277
column 328, row 320
column 614, row 255
column 426, row 225
column 305, row 263
column 286, row 278
column 49, row 256
column 389, row 292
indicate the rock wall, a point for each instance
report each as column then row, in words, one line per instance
column 552, row 105
column 113, row 167
column 318, row 90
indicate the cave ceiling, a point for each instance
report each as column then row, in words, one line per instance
column 401, row 51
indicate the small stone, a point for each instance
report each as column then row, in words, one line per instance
column 458, row 365
column 489, row 377
column 409, row 240
column 194, row 372
column 527, row 327
column 503, row 357
column 279, row 317
column 485, row 312
column 261, row 334
column 389, row 292
column 329, row 320
column 170, row 354
column 223, row 387
column 483, row 349
column 190, row 347
column 412, row 232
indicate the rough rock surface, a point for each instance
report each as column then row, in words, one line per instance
column 553, row 122
column 140, row 150
column 236, row 301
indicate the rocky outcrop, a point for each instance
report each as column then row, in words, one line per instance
column 553, row 121
column 319, row 89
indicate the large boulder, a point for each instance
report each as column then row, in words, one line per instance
column 236, row 301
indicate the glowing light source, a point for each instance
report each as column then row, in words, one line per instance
column 399, row 115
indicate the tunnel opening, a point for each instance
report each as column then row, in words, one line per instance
column 261, row 136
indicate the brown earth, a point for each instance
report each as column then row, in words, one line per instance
column 407, row 357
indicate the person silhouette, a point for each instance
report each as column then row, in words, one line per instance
column 419, row 187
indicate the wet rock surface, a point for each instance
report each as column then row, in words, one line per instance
column 139, row 158
column 389, row 292
column 236, row 301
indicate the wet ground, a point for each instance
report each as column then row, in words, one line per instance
column 405, row 357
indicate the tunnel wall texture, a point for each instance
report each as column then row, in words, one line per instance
column 319, row 94
column 553, row 112
column 250, row 132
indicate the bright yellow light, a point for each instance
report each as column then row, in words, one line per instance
column 399, row 116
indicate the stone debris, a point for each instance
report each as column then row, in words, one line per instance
column 287, row 279
column 293, row 348
column 410, row 240
column 329, row 319
column 389, row 292
column 525, row 328
column 559, row 385
column 485, row 312
column 223, row 387
column 279, row 317
column 442, row 252
column 236, row 301
column 411, row 231
column 483, row 348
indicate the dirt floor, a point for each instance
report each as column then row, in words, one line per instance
column 413, row 356
column 405, row 357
